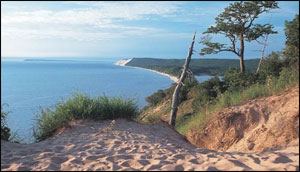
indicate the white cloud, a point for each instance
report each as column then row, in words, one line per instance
column 97, row 21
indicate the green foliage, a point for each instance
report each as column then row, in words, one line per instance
column 236, row 80
column 236, row 23
column 271, row 65
column 5, row 131
column 155, row 98
column 188, row 84
column 198, row 120
column 81, row 106
column 291, row 51
column 205, row 92
column 287, row 77
column 198, row 66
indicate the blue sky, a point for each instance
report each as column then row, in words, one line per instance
column 121, row 29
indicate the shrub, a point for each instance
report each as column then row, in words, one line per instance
column 81, row 106
column 157, row 97
column 235, row 80
column 271, row 65
column 206, row 92
column 188, row 84
column 288, row 76
column 291, row 50
column 5, row 131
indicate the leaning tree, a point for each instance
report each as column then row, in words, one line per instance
column 237, row 24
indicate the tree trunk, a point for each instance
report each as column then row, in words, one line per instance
column 242, row 47
column 262, row 54
column 179, row 84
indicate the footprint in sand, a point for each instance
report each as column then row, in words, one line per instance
column 115, row 158
column 172, row 168
column 92, row 158
column 22, row 168
column 132, row 163
column 59, row 159
column 282, row 159
column 51, row 166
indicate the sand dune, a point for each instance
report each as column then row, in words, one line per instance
column 124, row 62
column 255, row 125
column 89, row 145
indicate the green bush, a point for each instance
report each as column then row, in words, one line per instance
column 5, row 131
column 188, row 84
column 157, row 97
column 291, row 50
column 205, row 92
column 288, row 76
column 235, row 80
column 81, row 106
column 271, row 65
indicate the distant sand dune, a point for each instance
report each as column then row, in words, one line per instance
column 124, row 62
column 128, row 145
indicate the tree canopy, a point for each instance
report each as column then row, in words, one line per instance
column 237, row 24
column 291, row 51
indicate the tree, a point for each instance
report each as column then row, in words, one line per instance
column 291, row 51
column 237, row 24
column 184, row 72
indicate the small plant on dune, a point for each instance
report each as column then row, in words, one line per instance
column 110, row 126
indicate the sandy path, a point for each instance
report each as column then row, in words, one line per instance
column 131, row 146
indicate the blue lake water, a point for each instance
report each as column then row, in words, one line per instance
column 26, row 85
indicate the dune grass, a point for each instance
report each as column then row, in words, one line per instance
column 82, row 106
column 5, row 131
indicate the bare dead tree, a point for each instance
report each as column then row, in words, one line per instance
column 262, row 53
column 180, row 83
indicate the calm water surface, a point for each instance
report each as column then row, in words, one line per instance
column 26, row 85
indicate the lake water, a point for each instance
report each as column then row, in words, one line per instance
column 26, row 85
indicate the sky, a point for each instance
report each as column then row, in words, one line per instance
column 158, row 29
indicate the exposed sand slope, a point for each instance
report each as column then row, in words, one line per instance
column 259, row 124
column 131, row 146
column 124, row 62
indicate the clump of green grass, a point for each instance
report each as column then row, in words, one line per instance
column 287, row 78
column 82, row 106
column 196, row 121
column 5, row 131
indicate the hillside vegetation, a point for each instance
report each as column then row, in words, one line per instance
column 203, row 114
column 198, row 66
column 202, row 105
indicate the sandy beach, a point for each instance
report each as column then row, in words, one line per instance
column 124, row 62
column 127, row 145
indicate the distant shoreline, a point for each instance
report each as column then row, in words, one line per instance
column 124, row 62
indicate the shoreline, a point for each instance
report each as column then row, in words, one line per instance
column 124, row 62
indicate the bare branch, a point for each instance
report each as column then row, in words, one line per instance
column 180, row 83
column 262, row 54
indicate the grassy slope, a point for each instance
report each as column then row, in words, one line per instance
column 198, row 66
column 188, row 119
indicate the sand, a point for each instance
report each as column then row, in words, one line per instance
column 124, row 62
column 255, row 125
column 90, row 145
